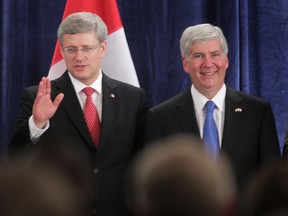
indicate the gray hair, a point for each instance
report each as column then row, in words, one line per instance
column 201, row 32
column 82, row 22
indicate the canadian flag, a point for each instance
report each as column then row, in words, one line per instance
column 117, row 63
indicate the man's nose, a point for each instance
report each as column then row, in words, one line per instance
column 79, row 54
column 207, row 61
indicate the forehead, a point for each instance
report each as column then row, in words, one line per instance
column 206, row 46
column 86, row 38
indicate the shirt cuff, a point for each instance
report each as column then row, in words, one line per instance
column 36, row 132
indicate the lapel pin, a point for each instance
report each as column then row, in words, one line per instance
column 238, row 110
column 112, row 95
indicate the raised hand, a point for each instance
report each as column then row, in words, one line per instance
column 44, row 108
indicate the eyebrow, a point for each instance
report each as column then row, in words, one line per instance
column 215, row 51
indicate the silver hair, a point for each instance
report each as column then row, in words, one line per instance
column 201, row 32
column 82, row 22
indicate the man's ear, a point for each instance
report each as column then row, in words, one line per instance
column 103, row 48
column 185, row 64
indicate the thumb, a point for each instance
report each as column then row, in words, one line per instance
column 58, row 99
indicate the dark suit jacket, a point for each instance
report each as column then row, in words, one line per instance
column 122, row 129
column 249, row 137
column 285, row 146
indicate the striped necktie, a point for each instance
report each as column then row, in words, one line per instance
column 91, row 116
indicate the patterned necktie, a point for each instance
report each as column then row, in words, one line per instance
column 91, row 116
column 210, row 132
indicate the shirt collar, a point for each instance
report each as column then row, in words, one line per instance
column 96, row 85
column 200, row 100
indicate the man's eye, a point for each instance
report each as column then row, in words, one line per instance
column 215, row 54
column 87, row 49
column 197, row 56
column 69, row 49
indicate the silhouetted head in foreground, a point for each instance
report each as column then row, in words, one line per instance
column 177, row 177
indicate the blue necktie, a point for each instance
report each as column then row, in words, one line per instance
column 210, row 132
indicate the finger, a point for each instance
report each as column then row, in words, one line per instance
column 41, row 87
column 48, row 85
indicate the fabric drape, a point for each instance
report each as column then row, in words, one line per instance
column 256, row 32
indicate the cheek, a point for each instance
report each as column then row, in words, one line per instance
column 225, row 63
column 190, row 66
column 68, row 61
column 190, row 69
column 222, row 65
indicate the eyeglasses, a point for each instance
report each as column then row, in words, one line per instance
column 85, row 49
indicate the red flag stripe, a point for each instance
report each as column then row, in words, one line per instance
column 107, row 10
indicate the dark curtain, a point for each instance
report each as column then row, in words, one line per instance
column 256, row 31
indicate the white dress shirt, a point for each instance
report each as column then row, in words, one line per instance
column 200, row 100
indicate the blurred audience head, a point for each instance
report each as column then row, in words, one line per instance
column 34, row 192
column 175, row 176
column 54, row 181
column 266, row 193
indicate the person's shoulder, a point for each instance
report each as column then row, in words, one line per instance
column 121, row 85
column 30, row 90
column 177, row 100
column 249, row 98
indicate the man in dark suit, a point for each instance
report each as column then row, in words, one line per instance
column 285, row 146
column 51, row 114
column 246, row 125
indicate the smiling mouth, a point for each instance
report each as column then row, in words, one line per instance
column 208, row 73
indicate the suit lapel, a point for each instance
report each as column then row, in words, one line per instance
column 234, row 115
column 184, row 111
column 111, row 99
column 72, row 107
